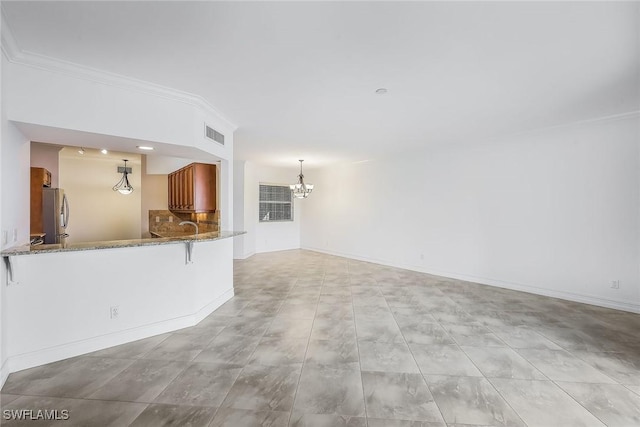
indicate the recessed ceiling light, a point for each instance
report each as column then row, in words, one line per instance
column 104, row 151
column 381, row 91
column 142, row 147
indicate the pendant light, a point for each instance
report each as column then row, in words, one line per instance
column 301, row 190
column 123, row 186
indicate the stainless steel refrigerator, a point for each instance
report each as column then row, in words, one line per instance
column 55, row 215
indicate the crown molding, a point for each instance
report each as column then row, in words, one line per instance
column 15, row 55
column 10, row 48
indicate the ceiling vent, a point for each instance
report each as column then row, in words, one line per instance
column 213, row 134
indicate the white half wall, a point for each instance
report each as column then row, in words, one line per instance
column 553, row 212
column 153, row 288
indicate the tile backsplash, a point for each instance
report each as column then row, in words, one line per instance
column 166, row 221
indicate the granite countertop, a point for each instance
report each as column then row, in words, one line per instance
column 169, row 238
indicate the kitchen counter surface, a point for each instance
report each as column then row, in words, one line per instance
column 89, row 246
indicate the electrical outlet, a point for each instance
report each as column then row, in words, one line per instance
column 422, row 257
column 114, row 311
column 615, row 284
column 157, row 219
column 15, row 234
column 170, row 219
column 5, row 237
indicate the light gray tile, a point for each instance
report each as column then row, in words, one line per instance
column 132, row 350
column 264, row 388
column 77, row 377
column 336, row 353
column 621, row 367
column 80, row 412
column 399, row 396
column 251, row 326
column 229, row 417
column 333, row 329
column 334, row 311
column 178, row 347
column 289, row 327
column 5, row 399
column 325, row 420
column 525, row 338
column 206, row 334
column 386, row 357
column 298, row 311
column 330, row 391
column 613, row 404
column 373, row 313
column 502, row 363
column 140, row 382
column 468, row 330
column 201, row 384
column 425, row 333
column 370, row 301
column 443, row 360
column 213, row 321
column 542, row 403
column 482, row 340
column 471, row 400
column 231, row 349
column 377, row 422
column 279, row 351
column 159, row 415
column 231, row 307
column 560, row 365
column 378, row 330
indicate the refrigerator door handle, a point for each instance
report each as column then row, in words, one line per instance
column 65, row 211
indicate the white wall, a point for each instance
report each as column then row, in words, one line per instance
column 154, row 195
column 554, row 212
column 98, row 212
column 46, row 156
column 3, row 274
column 271, row 236
column 14, row 201
column 238, row 208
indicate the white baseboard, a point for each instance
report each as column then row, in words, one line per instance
column 245, row 256
column 570, row 296
column 77, row 348
column 212, row 306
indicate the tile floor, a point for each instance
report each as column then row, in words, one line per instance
column 317, row 340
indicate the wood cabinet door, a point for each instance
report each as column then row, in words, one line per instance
column 205, row 188
column 193, row 188
column 189, row 187
column 172, row 191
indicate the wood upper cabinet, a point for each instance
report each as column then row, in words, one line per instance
column 193, row 188
column 40, row 177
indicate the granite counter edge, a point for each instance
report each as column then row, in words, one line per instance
column 116, row 244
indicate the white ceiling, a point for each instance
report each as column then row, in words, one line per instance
column 298, row 78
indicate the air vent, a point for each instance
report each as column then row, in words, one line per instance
column 213, row 134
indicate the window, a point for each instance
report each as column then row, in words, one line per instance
column 275, row 203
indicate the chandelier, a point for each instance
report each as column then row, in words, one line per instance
column 123, row 186
column 301, row 190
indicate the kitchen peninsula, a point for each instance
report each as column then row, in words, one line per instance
column 82, row 297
